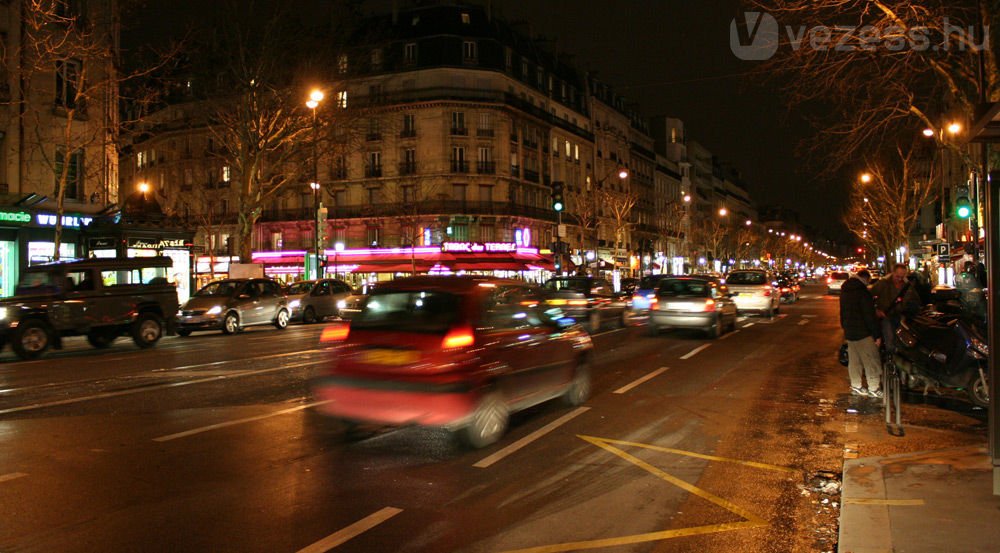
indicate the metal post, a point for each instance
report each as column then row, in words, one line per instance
column 315, row 186
column 993, row 277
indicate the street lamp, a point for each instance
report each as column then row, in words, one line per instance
column 723, row 212
column 623, row 174
column 749, row 222
column 315, row 97
column 143, row 188
column 866, row 178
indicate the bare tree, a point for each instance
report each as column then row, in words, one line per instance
column 203, row 209
column 618, row 211
column 884, row 66
column 884, row 210
column 582, row 210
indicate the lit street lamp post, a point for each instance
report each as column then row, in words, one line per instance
column 315, row 97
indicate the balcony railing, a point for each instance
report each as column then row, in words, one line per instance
column 486, row 167
column 530, row 175
column 515, row 170
column 373, row 136
column 408, row 168
column 427, row 207
column 459, row 166
column 459, row 131
column 339, row 173
column 484, row 132
column 408, row 133
column 373, row 171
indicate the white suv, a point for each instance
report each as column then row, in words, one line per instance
column 753, row 290
column 835, row 281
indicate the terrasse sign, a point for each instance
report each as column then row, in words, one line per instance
column 478, row 247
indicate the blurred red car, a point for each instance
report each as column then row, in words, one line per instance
column 459, row 353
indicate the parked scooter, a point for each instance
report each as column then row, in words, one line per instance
column 943, row 348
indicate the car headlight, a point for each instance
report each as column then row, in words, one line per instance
column 976, row 344
column 294, row 304
column 341, row 304
column 3, row 313
column 215, row 310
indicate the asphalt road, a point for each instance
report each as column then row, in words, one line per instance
column 208, row 443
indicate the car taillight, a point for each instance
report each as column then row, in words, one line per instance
column 829, row 280
column 335, row 333
column 709, row 305
column 577, row 302
column 767, row 291
column 458, row 338
column 784, row 290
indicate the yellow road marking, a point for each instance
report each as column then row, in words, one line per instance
column 753, row 464
column 750, row 519
column 890, row 502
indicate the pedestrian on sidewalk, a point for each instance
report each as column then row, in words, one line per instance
column 894, row 297
column 863, row 335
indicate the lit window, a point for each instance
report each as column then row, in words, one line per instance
column 225, row 173
column 342, row 99
column 342, row 63
column 410, row 52
column 466, row 19
column 469, row 50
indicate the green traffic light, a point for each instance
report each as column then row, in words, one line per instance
column 558, row 206
column 962, row 208
column 964, row 212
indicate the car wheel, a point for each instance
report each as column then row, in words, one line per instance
column 489, row 422
column 579, row 389
column 595, row 322
column 309, row 316
column 147, row 330
column 101, row 339
column 715, row 330
column 979, row 390
column 281, row 321
column 31, row 339
column 183, row 332
column 231, row 324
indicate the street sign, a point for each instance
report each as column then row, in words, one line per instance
column 943, row 252
column 561, row 231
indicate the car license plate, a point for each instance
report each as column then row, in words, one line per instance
column 678, row 307
column 746, row 294
column 390, row 357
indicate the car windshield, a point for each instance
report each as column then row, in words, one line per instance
column 300, row 288
column 37, row 282
column 650, row 282
column 409, row 310
column 685, row 288
column 841, row 276
column 220, row 289
column 749, row 277
column 574, row 284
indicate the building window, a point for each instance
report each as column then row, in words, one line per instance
column 469, row 50
column 410, row 52
column 568, row 152
column 226, row 174
column 524, row 68
column 342, row 99
column 340, row 198
column 458, row 162
column 458, row 123
column 73, row 167
column 373, row 236
column 375, row 93
column 373, row 129
column 409, row 164
column 485, row 193
column 372, row 195
column 539, row 77
column 576, row 152
column 408, row 196
column 508, row 58
column 458, row 192
column 409, row 126
column 340, row 167
column 487, row 233
column 342, row 64
column 374, row 168
column 67, row 83
column 377, row 58
column 484, row 163
column 141, row 159
column 466, row 20
column 485, row 127
column 460, row 232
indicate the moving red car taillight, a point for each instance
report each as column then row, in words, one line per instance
column 709, row 305
column 335, row 333
column 767, row 291
column 458, row 338
column 829, row 280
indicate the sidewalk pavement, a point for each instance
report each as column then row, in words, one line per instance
column 908, row 496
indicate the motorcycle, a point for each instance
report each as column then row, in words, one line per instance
column 943, row 348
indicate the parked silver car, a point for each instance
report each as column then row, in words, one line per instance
column 311, row 301
column 232, row 304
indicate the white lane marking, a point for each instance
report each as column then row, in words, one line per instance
column 640, row 380
column 226, row 424
column 609, row 331
column 695, row 351
column 12, row 476
column 216, row 363
column 105, row 395
column 512, row 448
column 350, row 532
column 803, row 322
column 724, row 336
column 808, row 316
column 748, row 325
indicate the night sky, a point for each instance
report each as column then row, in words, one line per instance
column 673, row 58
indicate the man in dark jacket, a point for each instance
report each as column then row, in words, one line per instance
column 862, row 332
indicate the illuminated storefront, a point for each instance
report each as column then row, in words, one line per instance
column 27, row 237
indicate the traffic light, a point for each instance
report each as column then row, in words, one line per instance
column 557, row 196
column 963, row 208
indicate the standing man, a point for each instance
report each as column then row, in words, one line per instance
column 894, row 297
column 861, row 330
